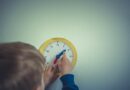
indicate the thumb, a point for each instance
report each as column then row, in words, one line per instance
column 64, row 57
column 58, row 64
column 60, row 60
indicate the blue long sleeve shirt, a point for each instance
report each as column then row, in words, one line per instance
column 68, row 82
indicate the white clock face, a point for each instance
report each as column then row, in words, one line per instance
column 55, row 48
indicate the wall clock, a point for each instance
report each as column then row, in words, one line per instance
column 53, row 50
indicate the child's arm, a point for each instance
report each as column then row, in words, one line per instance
column 50, row 75
column 67, row 79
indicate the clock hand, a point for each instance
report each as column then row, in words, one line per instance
column 58, row 56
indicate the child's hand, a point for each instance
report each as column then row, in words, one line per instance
column 65, row 66
column 50, row 74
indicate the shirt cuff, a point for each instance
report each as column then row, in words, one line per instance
column 67, row 79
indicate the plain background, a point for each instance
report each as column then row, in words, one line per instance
column 100, row 30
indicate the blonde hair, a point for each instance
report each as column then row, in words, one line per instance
column 20, row 66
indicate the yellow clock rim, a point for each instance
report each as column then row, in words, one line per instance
column 46, row 43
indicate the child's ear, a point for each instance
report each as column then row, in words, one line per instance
column 39, row 88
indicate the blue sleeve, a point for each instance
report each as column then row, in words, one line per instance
column 68, row 82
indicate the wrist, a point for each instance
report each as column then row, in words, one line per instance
column 64, row 73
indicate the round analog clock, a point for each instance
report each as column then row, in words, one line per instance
column 54, row 48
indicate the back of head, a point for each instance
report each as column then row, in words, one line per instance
column 20, row 66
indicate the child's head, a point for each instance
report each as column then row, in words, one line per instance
column 20, row 67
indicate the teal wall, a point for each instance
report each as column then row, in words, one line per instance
column 98, row 28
